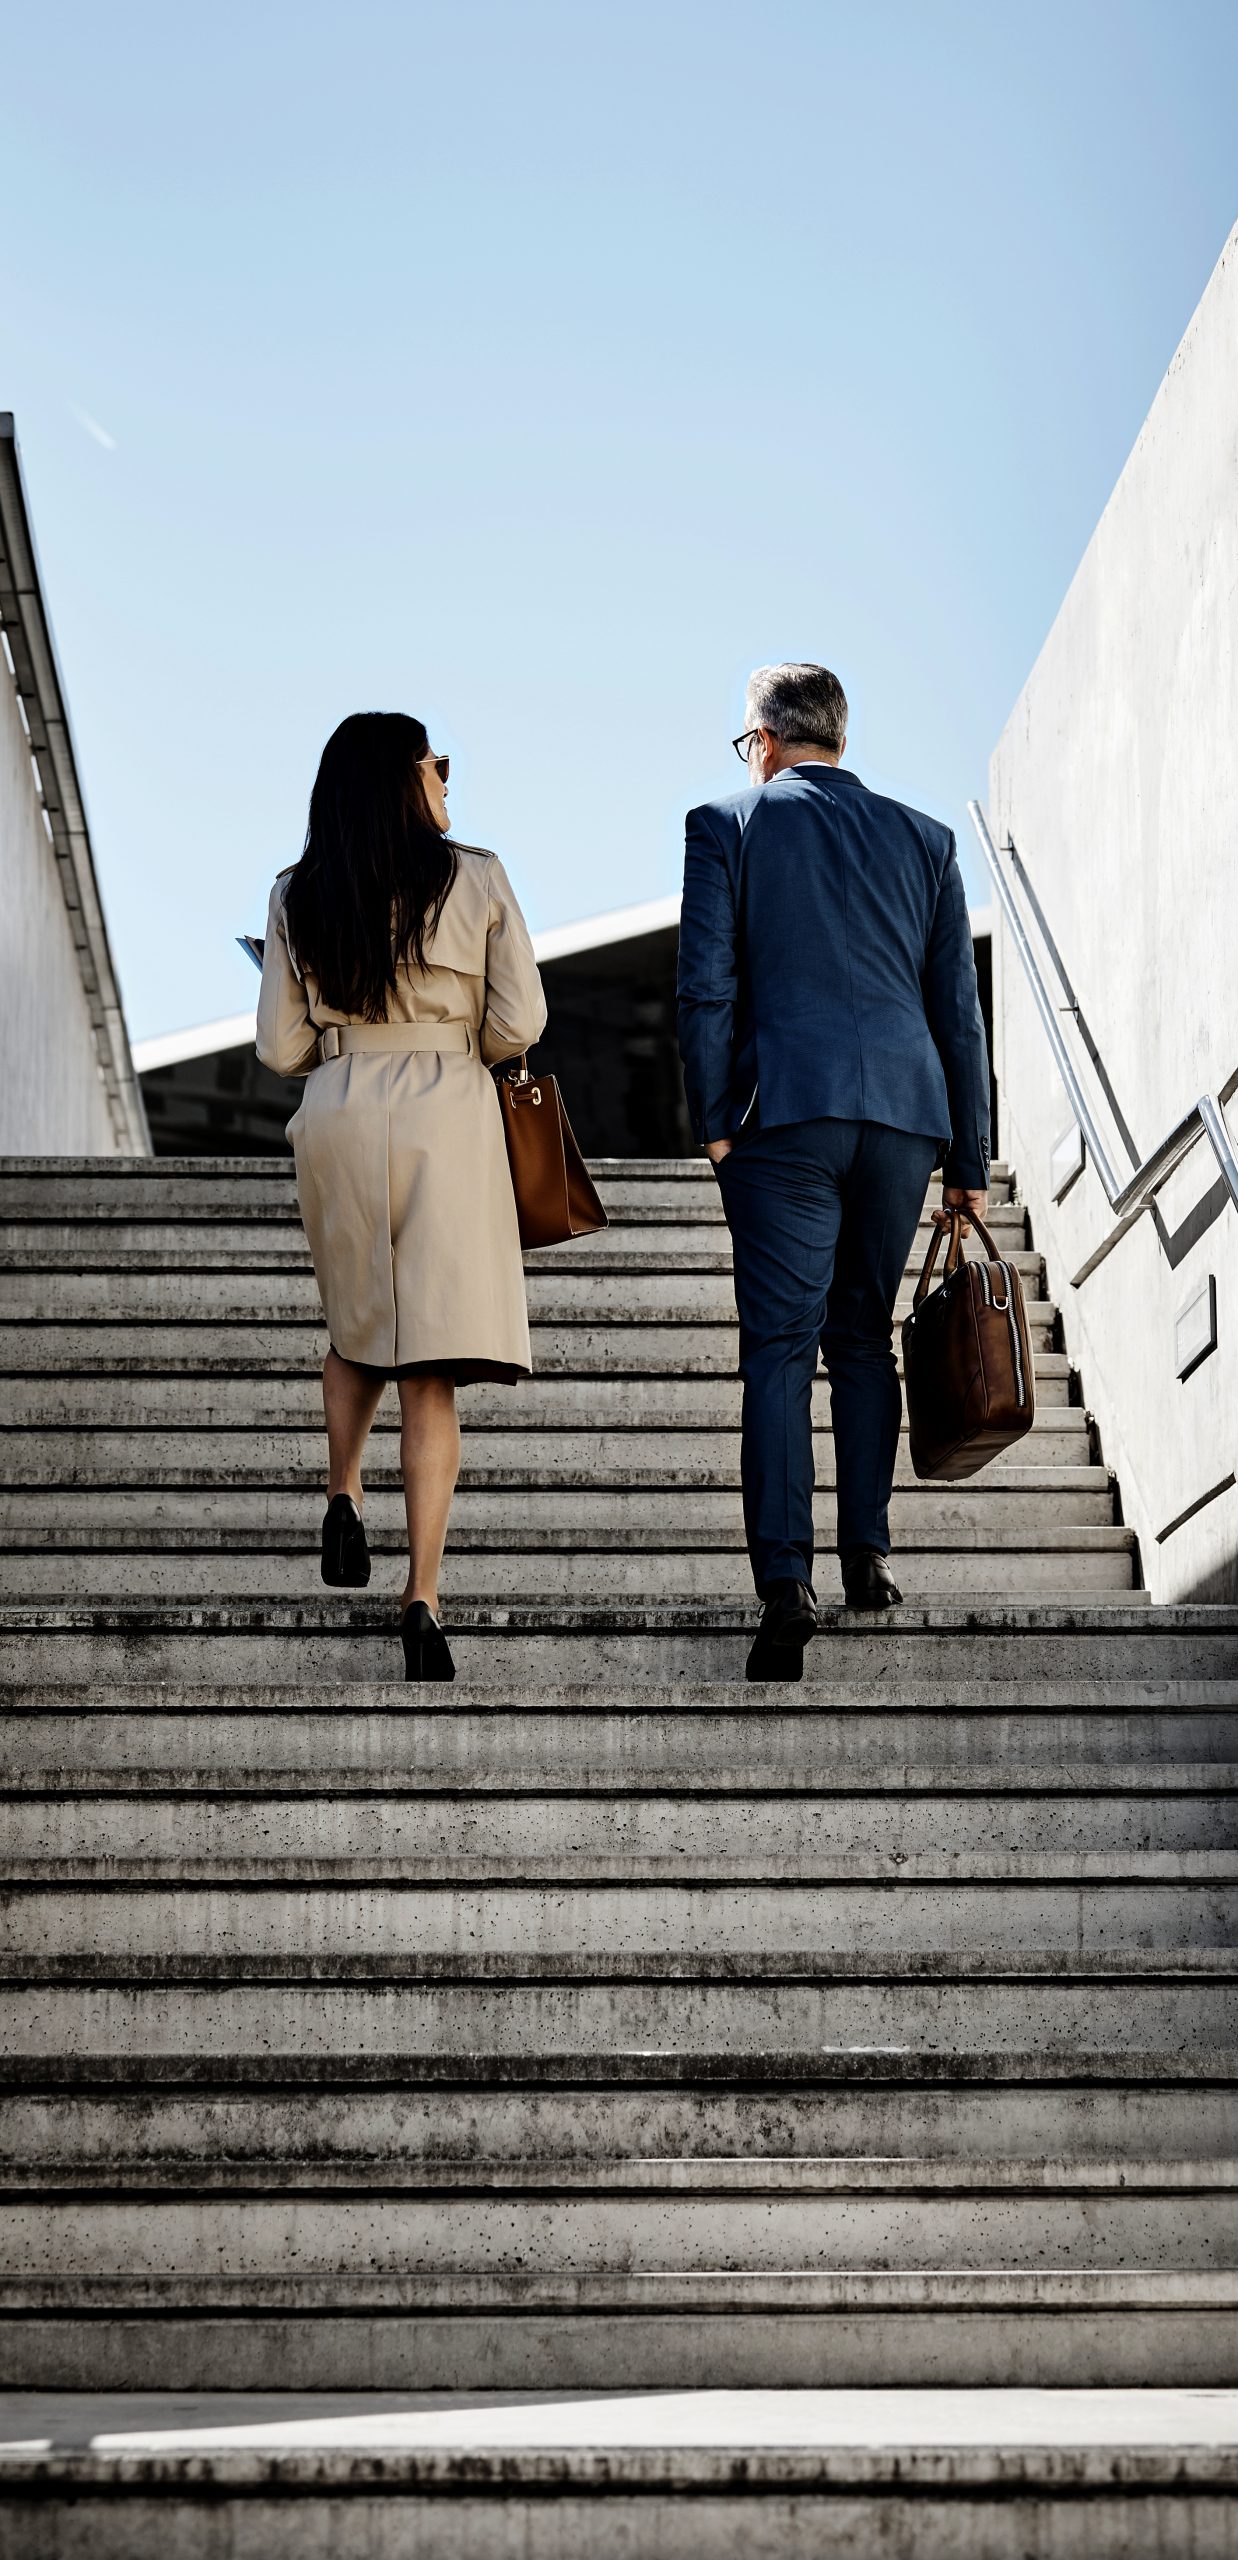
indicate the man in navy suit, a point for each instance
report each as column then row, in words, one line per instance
column 833, row 1053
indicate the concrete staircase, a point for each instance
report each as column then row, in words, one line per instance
column 601, row 2022
column 161, row 1343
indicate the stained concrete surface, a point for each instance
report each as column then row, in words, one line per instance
column 121, row 2424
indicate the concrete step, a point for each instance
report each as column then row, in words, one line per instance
column 588, row 1418
column 850, row 2138
column 642, row 1252
column 846, row 1680
column 1043, row 1741
column 45, row 1208
column 352, row 1638
column 910, row 1834
column 220, row 2018
column 222, row 1453
column 354, row 2241
column 653, row 2289
column 562, row 1293
column 162, row 2063
column 1173, row 2188
column 722, row 2291
column 664, row 1238
column 606, row 1355
column 538, row 1521
column 664, row 2331
column 179, row 1565
column 598, row 1920
column 817, row 2470
column 595, row 1515
column 55, row 1186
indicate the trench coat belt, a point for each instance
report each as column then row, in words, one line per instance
column 394, row 1039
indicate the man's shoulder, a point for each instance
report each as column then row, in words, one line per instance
column 730, row 811
column 933, row 832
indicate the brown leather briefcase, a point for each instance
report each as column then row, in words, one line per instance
column 967, row 1360
column 555, row 1197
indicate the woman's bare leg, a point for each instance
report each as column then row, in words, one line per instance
column 351, row 1398
column 430, row 1463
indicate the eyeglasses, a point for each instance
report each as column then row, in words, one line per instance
column 742, row 743
column 441, row 764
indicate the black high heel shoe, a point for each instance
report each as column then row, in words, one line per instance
column 427, row 1654
column 345, row 1555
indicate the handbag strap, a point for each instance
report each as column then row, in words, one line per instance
column 981, row 1230
column 955, row 1253
column 930, row 1259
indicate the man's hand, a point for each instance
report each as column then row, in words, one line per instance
column 974, row 1204
column 717, row 1149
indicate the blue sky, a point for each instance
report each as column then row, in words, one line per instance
column 539, row 368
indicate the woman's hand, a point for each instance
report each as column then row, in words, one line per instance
column 717, row 1149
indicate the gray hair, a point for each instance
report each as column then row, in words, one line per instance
column 798, row 703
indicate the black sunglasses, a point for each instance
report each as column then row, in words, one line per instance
column 441, row 764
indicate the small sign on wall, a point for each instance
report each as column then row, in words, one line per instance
column 1195, row 1327
column 1066, row 1160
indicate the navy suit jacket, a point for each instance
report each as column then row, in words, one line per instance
column 826, row 967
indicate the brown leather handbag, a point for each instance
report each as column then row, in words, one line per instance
column 967, row 1359
column 555, row 1197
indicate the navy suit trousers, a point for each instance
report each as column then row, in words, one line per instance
column 822, row 1219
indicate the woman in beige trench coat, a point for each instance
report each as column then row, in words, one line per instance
column 397, row 970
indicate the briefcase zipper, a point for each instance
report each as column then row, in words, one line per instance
column 1007, row 1308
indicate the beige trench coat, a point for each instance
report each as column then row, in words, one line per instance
column 401, row 1163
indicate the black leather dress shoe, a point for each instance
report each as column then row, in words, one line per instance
column 427, row 1654
column 867, row 1580
column 345, row 1555
column 788, row 1623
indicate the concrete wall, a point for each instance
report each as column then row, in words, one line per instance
column 52, row 1097
column 1117, row 778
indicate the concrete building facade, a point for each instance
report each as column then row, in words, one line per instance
column 67, row 1081
column 1116, row 784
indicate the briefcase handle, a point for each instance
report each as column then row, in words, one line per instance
column 955, row 1252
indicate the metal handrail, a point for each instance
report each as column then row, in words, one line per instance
column 1127, row 1199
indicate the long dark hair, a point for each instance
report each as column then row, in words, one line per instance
column 369, row 888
